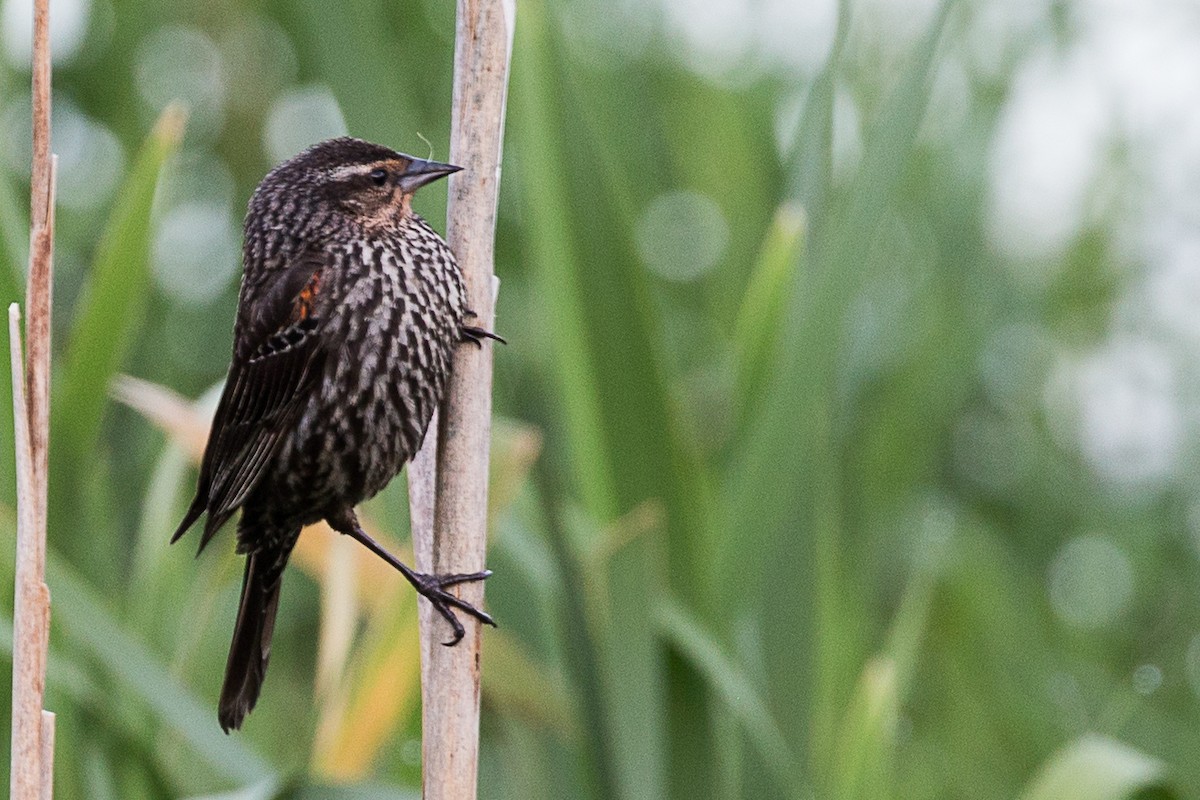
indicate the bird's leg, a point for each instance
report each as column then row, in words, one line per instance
column 476, row 334
column 431, row 587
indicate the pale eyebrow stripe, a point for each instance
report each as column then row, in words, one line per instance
column 341, row 173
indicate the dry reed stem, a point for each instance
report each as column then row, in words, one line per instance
column 41, row 258
column 450, row 676
column 31, row 602
column 32, row 767
column 46, row 778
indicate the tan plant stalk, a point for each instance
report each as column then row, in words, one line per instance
column 449, row 500
column 32, row 766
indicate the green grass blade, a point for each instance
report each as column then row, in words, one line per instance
column 110, row 309
column 556, row 266
column 867, row 747
column 867, row 744
column 628, row 703
column 761, row 315
column 653, row 451
column 811, row 159
column 735, row 689
column 1098, row 768
column 799, row 430
column 82, row 617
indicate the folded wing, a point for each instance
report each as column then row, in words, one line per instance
column 268, row 383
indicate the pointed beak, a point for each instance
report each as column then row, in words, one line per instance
column 421, row 172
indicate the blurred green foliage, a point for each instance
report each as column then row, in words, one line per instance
column 761, row 553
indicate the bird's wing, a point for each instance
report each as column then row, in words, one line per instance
column 279, row 355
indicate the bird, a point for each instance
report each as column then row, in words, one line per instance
column 349, row 311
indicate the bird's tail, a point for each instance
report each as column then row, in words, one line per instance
column 251, row 647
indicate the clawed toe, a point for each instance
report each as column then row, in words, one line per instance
column 474, row 333
column 433, row 588
column 450, row 580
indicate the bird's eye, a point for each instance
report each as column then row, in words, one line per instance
column 379, row 176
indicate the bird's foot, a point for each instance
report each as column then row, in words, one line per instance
column 473, row 333
column 433, row 588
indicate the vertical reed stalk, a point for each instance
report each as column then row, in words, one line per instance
column 453, row 494
column 32, row 767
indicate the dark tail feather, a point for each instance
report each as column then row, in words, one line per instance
column 251, row 647
column 216, row 518
column 193, row 513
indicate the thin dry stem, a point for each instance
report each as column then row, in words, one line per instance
column 47, row 755
column 450, row 676
column 37, row 359
column 31, row 602
column 41, row 261
column 40, row 181
column 32, row 765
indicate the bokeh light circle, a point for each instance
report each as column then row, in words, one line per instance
column 682, row 235
column 1090, row 582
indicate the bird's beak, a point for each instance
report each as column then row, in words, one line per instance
column 421, row 172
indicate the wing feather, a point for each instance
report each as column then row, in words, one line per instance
column 279, row 359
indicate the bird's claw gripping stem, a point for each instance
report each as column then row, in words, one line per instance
column 476, row 334
column 433, row 589
column 473, row 333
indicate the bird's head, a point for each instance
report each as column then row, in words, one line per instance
column 370, row 183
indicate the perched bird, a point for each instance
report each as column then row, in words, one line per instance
column 349, row 311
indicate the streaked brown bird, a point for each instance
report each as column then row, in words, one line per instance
column 349, row 311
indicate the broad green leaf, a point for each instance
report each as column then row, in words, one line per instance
column 761, row 315
column 651, row 441
column 811, row 158
column 868, row 734
column 110, row 308
column 556, row 269
column 799, row 434
column 626, row 709
column 734, row 688
column 1099, row 768
column 84, row 620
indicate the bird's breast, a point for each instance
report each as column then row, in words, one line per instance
column 391, row 325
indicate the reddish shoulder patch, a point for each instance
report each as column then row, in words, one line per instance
column 307, row 298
